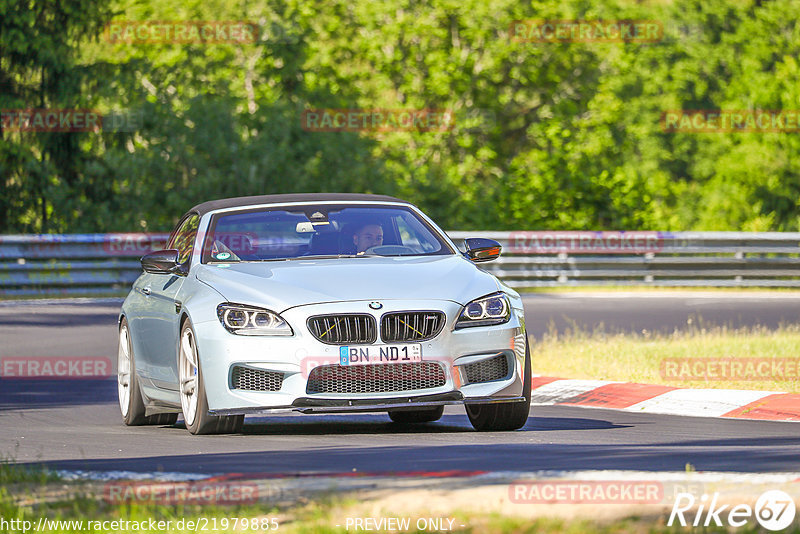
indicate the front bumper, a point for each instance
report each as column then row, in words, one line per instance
column 296, row 356
column 307, row 405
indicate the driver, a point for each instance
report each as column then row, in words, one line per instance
column 367, row 236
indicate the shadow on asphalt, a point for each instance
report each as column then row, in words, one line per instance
column 51, row 320
column 31, row 393
column 736, row 455
column 314, row 426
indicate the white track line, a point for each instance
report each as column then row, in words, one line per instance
column 561, row 390
column 698, row 402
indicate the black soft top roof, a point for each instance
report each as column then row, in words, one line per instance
column 224, row 203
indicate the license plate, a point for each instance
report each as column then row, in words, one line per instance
column 380, row 354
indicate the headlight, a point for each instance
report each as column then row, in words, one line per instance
column 251, row 321
column 494, row 309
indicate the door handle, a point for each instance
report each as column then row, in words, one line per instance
column 146, row 290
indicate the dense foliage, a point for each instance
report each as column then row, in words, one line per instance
column 560, row 136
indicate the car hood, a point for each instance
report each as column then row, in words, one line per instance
column 280, row 285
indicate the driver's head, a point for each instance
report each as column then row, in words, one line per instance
column 368, row 235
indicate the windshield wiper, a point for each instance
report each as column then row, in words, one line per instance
column 333, row 256
column 312, row 257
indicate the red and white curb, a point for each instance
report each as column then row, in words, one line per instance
column 647, row 398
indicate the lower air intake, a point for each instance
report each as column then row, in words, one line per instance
column 486, row 370
column 378, row 378
column 249, row 379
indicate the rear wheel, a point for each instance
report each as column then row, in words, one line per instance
column 504, row 415
column 131, row 403
column 193, row 392
column 417, row 416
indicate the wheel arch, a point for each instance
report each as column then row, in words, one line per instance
column 183, row 318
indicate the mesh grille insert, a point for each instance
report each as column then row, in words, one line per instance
column 377, row 378
column 411, row 326
column 487, row 370
column 249, row 379
column 336, row 329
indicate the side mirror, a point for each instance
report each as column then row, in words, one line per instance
column 481, row 249
column 162, row 262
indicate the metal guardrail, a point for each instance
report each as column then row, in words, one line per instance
column 708, row 259
column 73, row 264
column 90, row 264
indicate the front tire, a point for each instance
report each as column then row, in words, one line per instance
column 131, row 403
column 417, row 416
column 504, row 415
column 193, row 391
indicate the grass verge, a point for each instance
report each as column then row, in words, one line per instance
column 657, row 289
column 73, row 507
column 11, row 473
column 681, row 359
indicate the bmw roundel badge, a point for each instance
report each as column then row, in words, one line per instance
column 375, row 305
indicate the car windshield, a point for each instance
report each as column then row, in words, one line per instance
column 320, row 231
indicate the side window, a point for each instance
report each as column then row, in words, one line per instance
column 183, row 239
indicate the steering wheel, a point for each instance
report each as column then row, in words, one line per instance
column 389, row 250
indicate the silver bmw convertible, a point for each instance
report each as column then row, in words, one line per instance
column 320, row 303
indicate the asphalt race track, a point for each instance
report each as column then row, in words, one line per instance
column 75, row 424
